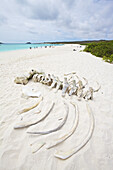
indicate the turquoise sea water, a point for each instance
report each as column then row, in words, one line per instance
column 11, row 47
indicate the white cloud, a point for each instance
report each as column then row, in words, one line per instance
column 50, row 20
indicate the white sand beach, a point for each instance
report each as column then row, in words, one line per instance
column 15, row 144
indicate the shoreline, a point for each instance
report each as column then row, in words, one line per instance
column 29, row 46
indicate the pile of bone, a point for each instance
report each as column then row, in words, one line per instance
column 72, row 84
column 36, row 145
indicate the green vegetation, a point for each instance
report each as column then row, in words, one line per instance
column 75, row 42
column 103, row 49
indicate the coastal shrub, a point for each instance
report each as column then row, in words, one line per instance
column 108, row 59
column 101, row 49
column 111, row 58
column 105, row 59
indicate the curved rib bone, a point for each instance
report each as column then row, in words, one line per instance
column 57, row 128
column 36, row 146
column 97, row 88
column 30, row 123
column 67, row 135
column 32, row 107
column 65, row 155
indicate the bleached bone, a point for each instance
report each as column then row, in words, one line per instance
column 30, row 93
column 68, row 134
column 32, row 107
column 35, row 77
column 40, row 76
column 48, row 80
column 80, row 84
column 80, row 89
column 65, row 87
column 77, row 77
column 31, row 74
column 21, row 80
column 88, row 95
column 65, row 155
column 59, row 85
column 24, row 79
column 36, row 146
column 28, row 75
column 57, row 128
column 70, row 79
column 54, row 83
column 79, row 92
column 97, row 88
column 37, row 112
column 25, row 124
column 73, row 88
column 69, row 74
column 85, row 81
column 43, row 78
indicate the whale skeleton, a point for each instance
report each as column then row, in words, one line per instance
column 54, row 82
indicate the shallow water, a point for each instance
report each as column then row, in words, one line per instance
column 11, row 47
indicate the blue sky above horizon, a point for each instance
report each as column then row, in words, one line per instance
column 50, row 20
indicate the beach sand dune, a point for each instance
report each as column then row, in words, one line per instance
column 15, row 149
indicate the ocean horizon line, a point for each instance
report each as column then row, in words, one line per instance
column 62, row 41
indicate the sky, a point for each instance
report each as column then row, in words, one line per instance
column 55, row 20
